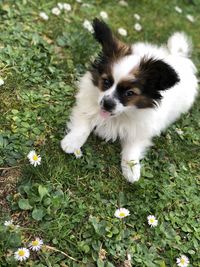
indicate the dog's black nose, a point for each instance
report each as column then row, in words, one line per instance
column 108, row 104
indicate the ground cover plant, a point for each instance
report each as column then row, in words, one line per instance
column 70, row 203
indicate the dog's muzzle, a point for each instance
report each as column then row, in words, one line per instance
column 108, row 104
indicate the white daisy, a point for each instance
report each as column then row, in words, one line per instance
column 67, row 7
column 86, row 5
column 36, row 244
column 104, row 15
column 56, row 11
column 152, row 221
column 123, row 3
column 136, row 16
column 183, row 261
column 22, row 254
column 122, row 31
column 178, row 9
column 60, row 6
column 121, row 213
column 88, row 25
column 8, row 223
column 78, row 153
column 1, row 82
column 190, row 18
column 43, row 16
column 34, row 159
column 138, row 27
column 129, row 257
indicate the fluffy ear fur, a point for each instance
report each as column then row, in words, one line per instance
column 111, row 46
column 155, row 76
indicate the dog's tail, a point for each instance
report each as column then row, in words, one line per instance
column 179, row 44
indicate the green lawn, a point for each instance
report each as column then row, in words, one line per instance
column 69, row 202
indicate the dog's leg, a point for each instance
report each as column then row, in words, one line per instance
column 131, row 155
column 79, row 130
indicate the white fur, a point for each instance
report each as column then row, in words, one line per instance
column 179, row 44
column 134, row 127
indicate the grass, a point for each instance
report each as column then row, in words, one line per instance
column 70, row 203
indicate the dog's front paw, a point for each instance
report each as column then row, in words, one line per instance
column 70, row 144
column 131, row 170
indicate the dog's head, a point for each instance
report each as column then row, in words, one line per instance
column 124, row 79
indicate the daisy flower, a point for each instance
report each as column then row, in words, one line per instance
column 60, row 6
column 67, row 7
column 1, row 82
column 190, row 18
column 178, row 9
column 11, row 225
column 102, row 254
column 55, row 11
column 78, row 153
column 43, row 16
column 183, row 261
column 88, row 25
column 34, row 158
column 121, row 213
column 22, row 254
column 136, row 16
column 86, row 5
column 152, row 221
column 104, row 15
column 8, row 223
column 123, row 3
column 129, row 257
column 122, row 31
column 137, row 27
column 36, row 244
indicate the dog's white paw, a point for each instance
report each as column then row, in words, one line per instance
column 131, row 170
column 70, row 144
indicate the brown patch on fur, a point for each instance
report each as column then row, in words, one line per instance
column 122, row 49
column 102, row 78
column 140, row 101
column 128, row 85
column 137, row 98
column 102, row 67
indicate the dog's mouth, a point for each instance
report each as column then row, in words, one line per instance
column 105, row 114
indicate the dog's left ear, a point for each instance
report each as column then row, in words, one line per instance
column 111, row 46
column 155, row 75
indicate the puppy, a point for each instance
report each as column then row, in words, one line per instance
column 132, row 92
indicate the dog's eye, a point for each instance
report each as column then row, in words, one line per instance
column 129, row 93
column 106, row 84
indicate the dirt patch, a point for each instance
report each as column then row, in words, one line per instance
column 8, row 180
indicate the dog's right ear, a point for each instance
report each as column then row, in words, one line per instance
column 103, row 34
column 111, row 46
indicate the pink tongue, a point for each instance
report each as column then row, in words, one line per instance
column 104, row 114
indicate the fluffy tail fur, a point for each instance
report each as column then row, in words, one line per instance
column 179, row 44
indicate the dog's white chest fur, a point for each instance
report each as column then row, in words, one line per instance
column 125, row 126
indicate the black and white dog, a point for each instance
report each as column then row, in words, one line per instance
column 132, row 92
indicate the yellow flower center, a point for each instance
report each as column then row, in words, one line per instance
column 152, row 220
column 21, row 253
column 35, row 157
column 182, row 261
column 35, row 243
column 122, row 214
column 78, row 152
